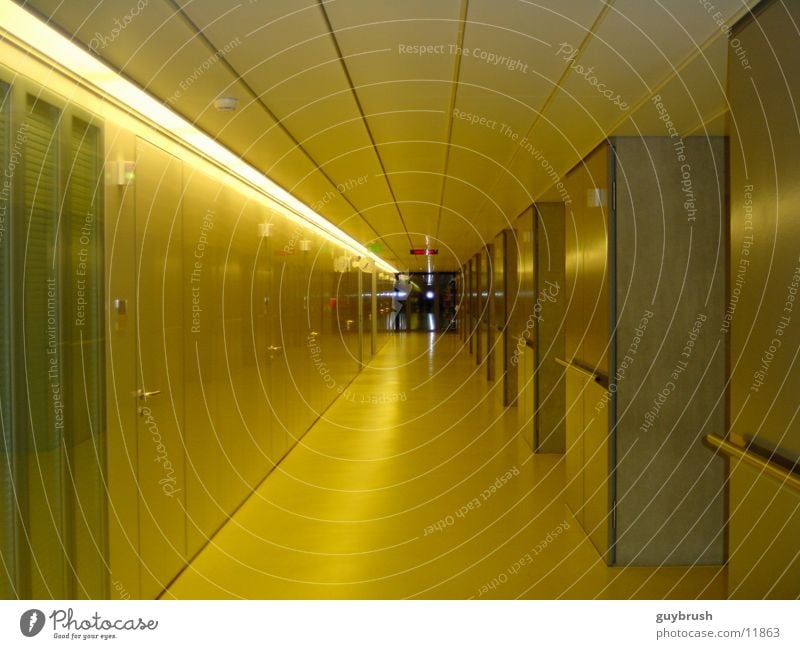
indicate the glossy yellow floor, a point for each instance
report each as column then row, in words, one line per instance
column 416, row 483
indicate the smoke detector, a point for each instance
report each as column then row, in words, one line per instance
column 226, row 104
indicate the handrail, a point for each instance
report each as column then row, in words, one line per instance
column 787, row 477
column 595, row 376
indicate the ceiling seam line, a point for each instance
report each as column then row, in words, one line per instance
column 346, row 71
column 704, row 122
column 454, row 93
column 569, row 67
column 257, row 98
column 556, row 87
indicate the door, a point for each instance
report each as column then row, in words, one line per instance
column 237, row 230
column 259, row 301
column 210, row 480
column 275, row 251
column 158, row 394
column 294, row 326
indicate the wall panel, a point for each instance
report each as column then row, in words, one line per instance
column 547, row 317
column 521, row 353
column 646, row 236
column 765, row 264
column 761, row 317
column 510, row 294
column 670, row 289
column 587, row 263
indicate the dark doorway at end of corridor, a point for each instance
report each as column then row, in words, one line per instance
column 424, row 302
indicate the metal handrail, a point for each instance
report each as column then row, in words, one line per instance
column 595, row 376
column 787, row 477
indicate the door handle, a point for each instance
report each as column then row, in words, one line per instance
column 144, row 395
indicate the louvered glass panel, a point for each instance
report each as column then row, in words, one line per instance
column 7, row 507
column 44, row 376
column 84, row 330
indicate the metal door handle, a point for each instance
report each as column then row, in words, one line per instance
column 144, row 395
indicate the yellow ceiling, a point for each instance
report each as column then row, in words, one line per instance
column 436, row 119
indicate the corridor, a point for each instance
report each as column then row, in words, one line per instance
column 465, row 299
column 416, row 483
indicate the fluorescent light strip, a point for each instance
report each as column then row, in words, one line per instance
column 51, row 45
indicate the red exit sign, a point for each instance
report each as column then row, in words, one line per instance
column 424, row 251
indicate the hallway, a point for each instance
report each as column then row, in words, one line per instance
column 416, row 483
column 471, row 299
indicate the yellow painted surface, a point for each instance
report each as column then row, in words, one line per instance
column 368, row 504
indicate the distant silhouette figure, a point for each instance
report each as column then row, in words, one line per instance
column 402, row 288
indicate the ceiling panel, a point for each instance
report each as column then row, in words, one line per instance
column 417, row 185
column 510, row 46
column 489, row 122
column 394, row 32
column 414, row 163
column 401, row 61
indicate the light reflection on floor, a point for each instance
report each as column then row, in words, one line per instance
column 387, row 500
